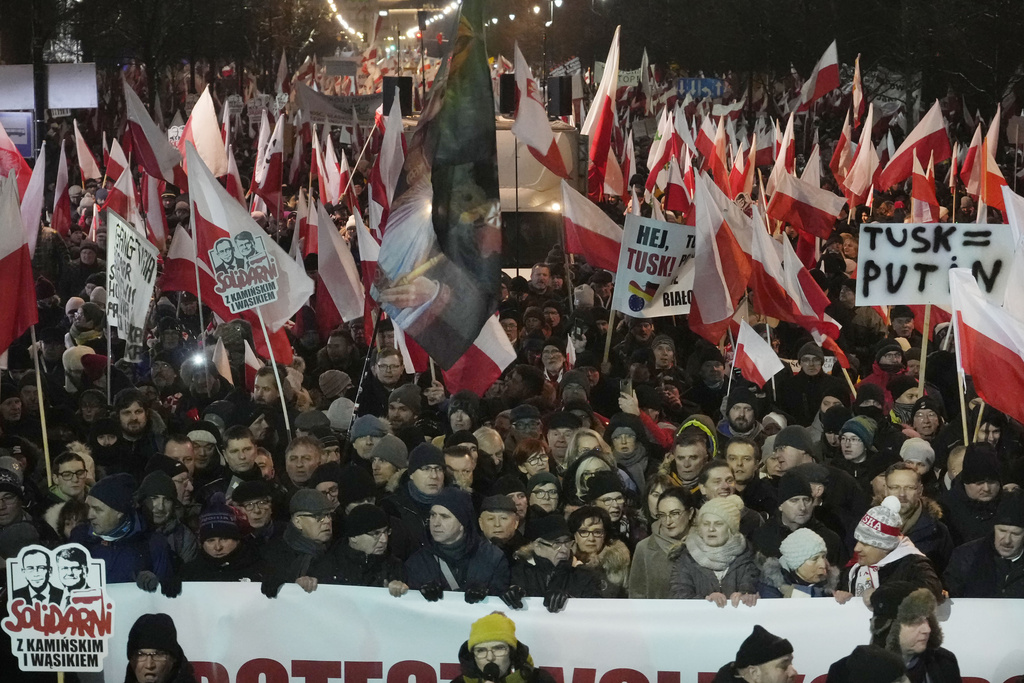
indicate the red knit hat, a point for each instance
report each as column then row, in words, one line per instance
column 93, row 366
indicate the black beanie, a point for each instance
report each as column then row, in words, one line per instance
column 355, row 484
column 602, row 483
column 507, row 484
column 900, row 384
column 164, row 463
column 981, row 463
column 791, row 486
column 365, row 518
column 885, row 347
column 761, row 647
column 115, row 491
column 795, row 436
column 423, row 455
column 868, row 664
column 252, row 490
column 154, row 632
column 548, row 527
column 157, row 484
column 743, row 393
column 1011, row 509
column 834, row 419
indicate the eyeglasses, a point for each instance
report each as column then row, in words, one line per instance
column 432, row 469
column 616, row 500
column 330, row 491
column 538, row 459
column 493, row 651
column 555, row 545
column 77, row 474
column 387, row 366
column 36, row 569
column 671, row 514
column 526, row 424
column 850, row 439
column 318, row 517
column 156, row 656
column 379, row 533
column 254, row 505
column 596, row 533
column 545, row 495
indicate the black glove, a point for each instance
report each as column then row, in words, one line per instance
column 270, row 587
column 475, row 594
column 147, row 581
column 513, row 597
column 432, row 592
column 171, row 587
column 555, row 601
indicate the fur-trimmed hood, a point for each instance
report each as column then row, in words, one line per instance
column 774, row 575
column 885, row 632
column 392, row 484
column 613, row 562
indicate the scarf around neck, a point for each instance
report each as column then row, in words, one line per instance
column 716, row 559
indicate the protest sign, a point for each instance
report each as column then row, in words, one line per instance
column 906, row 263
column 257, row 104
column 234, row 104
column 573, row 66
column 337, row 110
column 174, row 134
column 131, row 274
column 231, row 633
column 60, row 614
column 676, row 298
column 246, row 274
column 652, row 252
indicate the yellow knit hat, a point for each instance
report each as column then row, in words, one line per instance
column 495, row 626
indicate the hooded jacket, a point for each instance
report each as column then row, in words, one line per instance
column 539, row 577
column 904, row 563
column 138, row 549
column 777, row 582
column 522, row 669
column 935, row 664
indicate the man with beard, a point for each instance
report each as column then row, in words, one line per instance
column 387, row 374
column 137, row 442
column 921, row 515
column 799, row 395
column 268, row 425
column 742, row 415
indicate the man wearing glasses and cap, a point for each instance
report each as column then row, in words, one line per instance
column 493, row 654
column 289, row 559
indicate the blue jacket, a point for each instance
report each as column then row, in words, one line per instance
column 138, row 550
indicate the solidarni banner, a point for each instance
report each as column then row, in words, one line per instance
column 233, row 634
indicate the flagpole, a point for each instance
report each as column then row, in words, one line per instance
column 924, row 346
column 366, row 143
column 366, row 368
column 519, row 225
column 608, row 337
column 960, row 376
column 277, row 374
column 732, row 368
column 977, row 425
column 42, row 409
column 199, row 291
column 853, row 389
column 768, row 334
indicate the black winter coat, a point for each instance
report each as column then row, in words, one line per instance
column 975, row 570
column 482, row 565
column 241, row 565
column 967, row 519
column 768, row 538
column 349, row 567
column 538, row 577
column 916, row 569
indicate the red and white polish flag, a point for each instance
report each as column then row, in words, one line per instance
column 754, row 356
column 531, row 125
column 823, row 79
column 16, row 282
column 589, row 231
column 805, row 206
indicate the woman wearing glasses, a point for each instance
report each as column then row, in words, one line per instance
column 651, row 568
column 596, row 549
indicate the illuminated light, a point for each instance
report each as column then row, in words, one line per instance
column 383, row 13
column 494, row 20
column 536, row 9
column 555, row 207
column 547, row 23
column 558, row 3
column 511, row 17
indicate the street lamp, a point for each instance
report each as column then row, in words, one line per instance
column 536, row 9
column 511, row 17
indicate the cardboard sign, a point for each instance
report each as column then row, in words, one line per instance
column 652, row 252
column 60, row 615
column 246, row 274
column 676, row 298
column 131, row 275
column 573, row 66
column 906, row 263
column 337, row 110
column 234, row 104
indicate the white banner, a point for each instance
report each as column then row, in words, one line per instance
column 651, row 254
column 233, row 634
column 906, row 263
column 131, row 274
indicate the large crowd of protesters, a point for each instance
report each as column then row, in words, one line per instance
column 657, row 473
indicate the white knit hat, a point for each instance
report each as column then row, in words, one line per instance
column 880, row 526
column 917, row 450
column 798, row 547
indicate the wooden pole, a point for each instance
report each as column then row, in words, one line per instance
column 963, row 403
column 977, row 424
column 199, row 294
column 853, row 389
column 608, row 337
column 924, row 346
column 277, row 374
column 42, row 407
